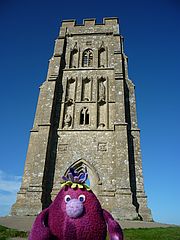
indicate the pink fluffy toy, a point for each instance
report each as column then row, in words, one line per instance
column 75, row 214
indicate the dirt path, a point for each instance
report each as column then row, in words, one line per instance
column 25, row 223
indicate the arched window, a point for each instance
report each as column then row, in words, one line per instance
column 84, row 116
column 87, row 60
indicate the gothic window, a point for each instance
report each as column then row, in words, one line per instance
column 84, row 116
column 87, row 60
column 74, row 59
column 102, row 57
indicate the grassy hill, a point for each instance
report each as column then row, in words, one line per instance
column 171, row 233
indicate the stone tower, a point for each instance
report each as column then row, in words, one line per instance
column 86, row 117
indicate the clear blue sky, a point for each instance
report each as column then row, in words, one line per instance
column 152, row 43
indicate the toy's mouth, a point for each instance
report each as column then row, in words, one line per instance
column 74, row 208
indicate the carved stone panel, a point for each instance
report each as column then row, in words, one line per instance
column 63, row 147
column 102, row 146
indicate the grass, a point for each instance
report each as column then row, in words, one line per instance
column 171, row 233
column 7, row 233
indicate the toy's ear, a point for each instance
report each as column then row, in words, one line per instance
column 40, row 229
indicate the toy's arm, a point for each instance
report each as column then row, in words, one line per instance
column 114, row 228
column 40, row 229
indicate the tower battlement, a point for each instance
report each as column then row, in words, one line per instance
column 89, row 26
column 90, row 22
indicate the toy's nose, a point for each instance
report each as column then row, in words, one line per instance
column 74, row 208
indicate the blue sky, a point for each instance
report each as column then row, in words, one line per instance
column 152, row 36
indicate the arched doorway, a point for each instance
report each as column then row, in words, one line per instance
column 93, row 178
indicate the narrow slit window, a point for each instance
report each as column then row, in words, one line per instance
column 90, row 63
column 85, row 60
column 87, row 118
column 84, row 117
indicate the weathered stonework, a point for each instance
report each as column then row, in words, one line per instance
column 86, row 116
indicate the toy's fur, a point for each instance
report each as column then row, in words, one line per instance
column 92, row 224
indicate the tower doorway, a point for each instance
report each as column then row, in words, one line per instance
column 93, row 178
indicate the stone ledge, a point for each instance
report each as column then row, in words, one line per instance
column 89, row 68
column 89, row 33
column 76, row 130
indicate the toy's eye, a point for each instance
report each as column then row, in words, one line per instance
column 67, row 198
column 82, row 198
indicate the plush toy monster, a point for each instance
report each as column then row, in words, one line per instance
column 75, row 214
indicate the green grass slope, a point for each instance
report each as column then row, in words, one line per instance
column 7, row 233
column 171, row 233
